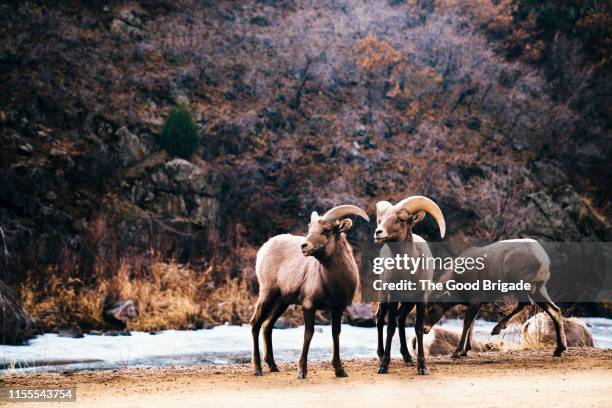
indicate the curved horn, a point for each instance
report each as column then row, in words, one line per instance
column 420, row 203
column 343, row 210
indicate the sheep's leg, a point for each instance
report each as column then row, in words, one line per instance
column 278, row 309
column 336, row 327
column 404, row 309
column 262, row 308
column 468, row 343
column 391, row 323
column 470, row 314
column 555, row 314
column 503, row 323
column 309, row 321
column 380, row 325
column 418, row 328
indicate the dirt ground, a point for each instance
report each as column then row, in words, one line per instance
column 581, row 378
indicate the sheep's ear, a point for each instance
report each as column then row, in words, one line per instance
column 344, row 225
column 418, row 217
column 314, row 216
column 381, row 207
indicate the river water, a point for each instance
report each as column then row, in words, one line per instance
column 219, row 345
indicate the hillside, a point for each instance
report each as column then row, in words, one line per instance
column 499, row 111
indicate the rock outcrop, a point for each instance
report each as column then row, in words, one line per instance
column 179, row 190
column 360, row 315
column 118, row 313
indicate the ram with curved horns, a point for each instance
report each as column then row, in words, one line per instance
column 317, row 272
column 394, row 224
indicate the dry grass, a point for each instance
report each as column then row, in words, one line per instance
column 169, row 296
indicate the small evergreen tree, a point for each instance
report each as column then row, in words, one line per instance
column 179, row 136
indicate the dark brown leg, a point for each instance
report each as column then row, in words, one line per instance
column 262, row 309
column 309, row 321
column 418, row 328
column 391, row 323
column 336, row 326
column 503, row 323
column 277, row 310
column 380, row 325
column 404, row 309
column 470, row 315
column 468, row 343
column 555, row 314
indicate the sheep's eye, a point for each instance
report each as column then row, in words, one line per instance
column 400, row 221
column 326, row 231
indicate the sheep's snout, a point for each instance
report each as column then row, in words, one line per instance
column 307, row 248
column 380, row 235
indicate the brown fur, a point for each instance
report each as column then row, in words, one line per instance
column 394, row 224
column 510, row 260
column 317, row 271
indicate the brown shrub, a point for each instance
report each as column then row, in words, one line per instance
column 168, row 296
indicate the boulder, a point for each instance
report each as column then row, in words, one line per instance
column 118, row 312
column 129, row 23
column 71, row 332
column 124, row 31
column 283, row 323
column 161, row 180
column 170, row 204
column 130, row 148
column 540, row 328
column 205, row 211
column 441, row 341
column 360, row 315
column 17, row 325
column 190, row 178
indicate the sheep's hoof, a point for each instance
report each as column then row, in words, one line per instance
column 273, row 368
column 423, row 371
column 302, row 375
column 383, row 369
column 341, row 373
column 408, row 359
column 258, row 372
column 559, row 351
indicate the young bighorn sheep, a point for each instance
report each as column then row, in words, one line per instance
column 317, row 272
column 509, row 261
column 395, row 224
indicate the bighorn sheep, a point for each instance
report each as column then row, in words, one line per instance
column 394, row 224
column 317, row 272
column 510, row 260
column 540, row 329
